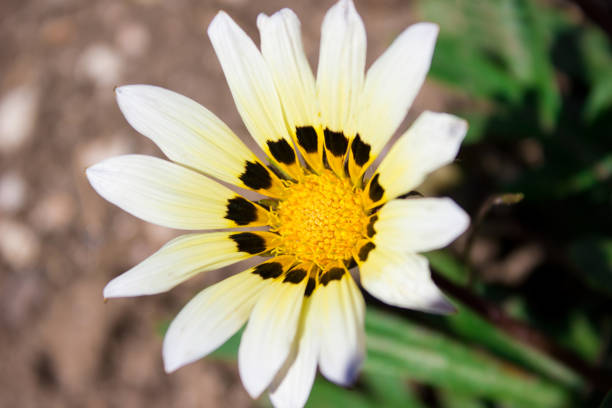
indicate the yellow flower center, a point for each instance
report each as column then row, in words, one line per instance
column 321, row 220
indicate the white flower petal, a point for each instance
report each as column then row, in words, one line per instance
column 185, row 131
column 252, row 87
column 210, row 318
column 269, row 335
column 393, row 82
column 171, row 195
column 340, row 77
column 431, row 142
column 292, row 386
column 182, row 258
column 419, row 224
column 340, row 309
column 340, row 74
column 403, row 280
column 281, row 46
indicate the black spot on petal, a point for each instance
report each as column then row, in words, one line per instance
column 295, row 275
column 371, row 231
column 335, row 142
column 310, row 287
column 256, row 176
column 361, row 151
column 241, row 211
column 376, row 191
column 364, row 252
column 332, row 274
column 307, row 138
column 249, row 242
column 269, row 270
column 282, row 151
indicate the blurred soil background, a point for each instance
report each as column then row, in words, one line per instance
column 60, row 243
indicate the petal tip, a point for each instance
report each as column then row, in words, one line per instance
column 221, row 18
column 427, row 28
column 458, row 216
column 441, row 306
column 94, row 174
column 171, row 363
column 460, row 126
column 251, row 387
column 344, row 9
column 128, row 90
column 110, row 290
column 262, row 20
column 464, row 220
column 348, row 375
column 352, row 370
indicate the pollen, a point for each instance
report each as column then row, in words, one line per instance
column 321, row 220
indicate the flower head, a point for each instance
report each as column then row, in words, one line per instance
column 303, row 308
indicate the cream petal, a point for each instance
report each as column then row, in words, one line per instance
column 340, row 77
column 340, row 73
column 185, row 131
column 252, row 87
column 292, row 386
column 419, row 224
column 269, row 335
column 171, row 195
column 403, row 280
column 340, row 309
column 431, row 142
column 183, row 258
column 210, row 318
column 393, row 82
column 281, row 46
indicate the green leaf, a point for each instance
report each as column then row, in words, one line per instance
column 229, row 349
column 400, row 347
column 478, row 122
column 583, row 336
column 449, row 267
column 496, row 49
column 328, row 395
column 593, row 256
column 455, row 400
column 607, row 402
column 599, row 99
column 588, row 177
column 533, row 36
column 392, row 391
column 464, row 67
column 474, row 328
column 161, row 327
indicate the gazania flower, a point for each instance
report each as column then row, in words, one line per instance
column 324, row 216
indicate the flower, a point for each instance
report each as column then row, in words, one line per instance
column 302, row 305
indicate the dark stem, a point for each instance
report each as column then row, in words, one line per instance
column 489, row 203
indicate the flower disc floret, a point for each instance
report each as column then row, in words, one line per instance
column 321, row 220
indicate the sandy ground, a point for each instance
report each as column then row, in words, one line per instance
column 61, row 346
